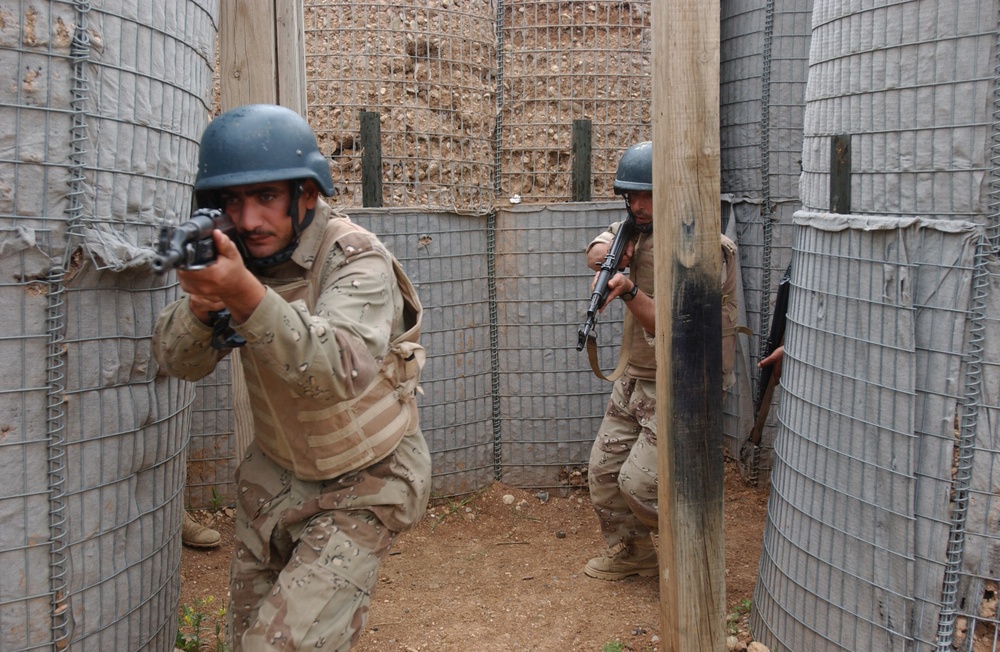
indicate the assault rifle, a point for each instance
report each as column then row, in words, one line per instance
column 768, row 380
column 190, row 246
column 608, row 269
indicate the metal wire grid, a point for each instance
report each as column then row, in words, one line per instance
column 92, row 441
column 447, row 128
column 993, row 227
column 147, row 120
column 741, row 90
column 211, row 453
column 550, row 401
column 24, row 486
column 973, row 621
column 564, row 61
column 970, row 619
column 429, row 72
column 126, row 430
column 763, row 68
column 858, row 517
column 445, row 256
column 544, row 432
column 913, row 86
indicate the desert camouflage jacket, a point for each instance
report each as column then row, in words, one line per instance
column 332, row 356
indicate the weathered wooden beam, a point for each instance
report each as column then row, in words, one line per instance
column 262, row 54
column 840, row 174
column 371, row 159
column 687, row 216
column 581, row 160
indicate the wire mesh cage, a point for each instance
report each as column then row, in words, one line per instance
column 476, row 101
column 562, row 62
column 101, row 113
column 880, row 528
column 428, row 76
column 763, row 72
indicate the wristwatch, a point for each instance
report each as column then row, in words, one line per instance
column 628, row 296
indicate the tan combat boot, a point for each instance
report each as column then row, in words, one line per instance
column 196, row 535
column 629, row 557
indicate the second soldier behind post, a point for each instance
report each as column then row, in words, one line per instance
column 623, row 465
column 331, row 323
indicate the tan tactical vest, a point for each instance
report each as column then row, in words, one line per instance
column 318, row 440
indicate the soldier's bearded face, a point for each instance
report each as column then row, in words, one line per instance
column 641, row 204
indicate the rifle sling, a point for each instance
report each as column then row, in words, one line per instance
column 623, row 356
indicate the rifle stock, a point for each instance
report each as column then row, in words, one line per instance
column 608, row 269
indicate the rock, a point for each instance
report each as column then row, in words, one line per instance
column 734, row 644
column 757, row 647
column 508, row 499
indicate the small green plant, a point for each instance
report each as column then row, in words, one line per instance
column 196, row 623
column 613, row 646
column 452, row 507
column 733, row 619
column 218, row 500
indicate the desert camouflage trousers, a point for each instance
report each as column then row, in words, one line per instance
column 308, row 553
column 623, row 463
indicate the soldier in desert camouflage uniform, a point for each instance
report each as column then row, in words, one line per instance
column 338, row 466
column 623, row 463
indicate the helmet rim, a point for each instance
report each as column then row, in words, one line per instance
column 257, row 143
column 635, row 169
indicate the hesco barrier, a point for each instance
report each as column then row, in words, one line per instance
column 882, row 523
column 102, row 108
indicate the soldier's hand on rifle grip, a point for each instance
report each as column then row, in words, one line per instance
column 774, row 361
column 598, row 252
column 227, row 280
column 618, row 285
column 205, row 308
column 214, row 279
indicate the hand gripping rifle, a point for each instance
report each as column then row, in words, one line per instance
column 608, row 269
column 587, row 335
column 768, row 380
column 190, row 246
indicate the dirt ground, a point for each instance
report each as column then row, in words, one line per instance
column 502, row 570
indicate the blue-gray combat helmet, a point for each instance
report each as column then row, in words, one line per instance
column 258, row 143
column 635, row 169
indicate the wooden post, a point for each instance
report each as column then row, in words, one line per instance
column 840, row 174
column 290, row 69
column 261, row 61
column 581, row 160
column 262, row 54
column 686, row 209
column 371, row 159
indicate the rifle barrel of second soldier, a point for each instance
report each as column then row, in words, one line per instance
column 608, row 269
